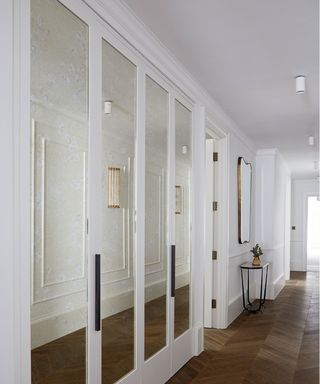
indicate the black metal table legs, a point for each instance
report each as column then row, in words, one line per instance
column 247, row 304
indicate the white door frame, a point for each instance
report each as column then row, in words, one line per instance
column 219, row 270
column 305, row 209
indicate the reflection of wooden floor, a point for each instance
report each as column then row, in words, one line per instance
column 63, row 361
column 279, row 346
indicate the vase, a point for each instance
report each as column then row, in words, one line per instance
column 256, row 261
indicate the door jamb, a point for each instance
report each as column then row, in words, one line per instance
column 222, row 222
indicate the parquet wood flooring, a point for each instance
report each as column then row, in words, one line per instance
column 280, row 345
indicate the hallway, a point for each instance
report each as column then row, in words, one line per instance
column 279, row 346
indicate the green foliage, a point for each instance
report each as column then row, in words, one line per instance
column 256, row 250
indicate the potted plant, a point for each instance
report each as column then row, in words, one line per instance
column 257, row 252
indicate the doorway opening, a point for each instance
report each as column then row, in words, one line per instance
column 216, row 228
column 313, row 238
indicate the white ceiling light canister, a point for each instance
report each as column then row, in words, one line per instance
column 300, row 84
column 311, row 141
column 107, row 107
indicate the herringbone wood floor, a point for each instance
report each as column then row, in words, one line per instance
column 280, row 346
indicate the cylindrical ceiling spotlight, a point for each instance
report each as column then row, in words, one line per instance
column 300, row 84
column 107, row 107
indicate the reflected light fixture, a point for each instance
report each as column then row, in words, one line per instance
column 300, row 84
column 113, row 187
column 184, row 149
column 107, row 107
column 311, row 140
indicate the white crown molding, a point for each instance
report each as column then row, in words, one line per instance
column 124, row 21
column 266, row 152
column 303, row 181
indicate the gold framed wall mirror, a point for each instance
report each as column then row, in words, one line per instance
column 244, row 200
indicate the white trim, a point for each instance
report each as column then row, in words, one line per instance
column 277, row 285
column 306, row 196
column 220, row 266
column 21, row 134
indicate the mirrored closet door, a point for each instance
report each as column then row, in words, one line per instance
column 156, row 218
column 110, row 142
column 59, row 146
column 118, row 252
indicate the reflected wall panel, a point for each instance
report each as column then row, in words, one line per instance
column 119, row 77
column 156, row 217
column 183, row 157
column 59, row 91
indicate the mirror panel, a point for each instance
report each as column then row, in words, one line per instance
column 156, row 247
column 59, row 111
column 119, row 88
column 244, row 200
column 183, row 158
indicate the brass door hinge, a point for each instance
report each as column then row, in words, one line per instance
column 214, row 255
column 214, row 205
column 215, row 156
column 214, row 304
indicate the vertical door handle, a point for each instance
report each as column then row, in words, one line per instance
column 97, row 293
column 173, row 270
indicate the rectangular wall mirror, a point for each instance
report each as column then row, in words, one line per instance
column 244, row 200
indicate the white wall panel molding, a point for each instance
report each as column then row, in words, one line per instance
column 240, row 254
column 273, row 216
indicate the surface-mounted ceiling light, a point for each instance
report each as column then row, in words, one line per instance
column 107, row 107
column 300, row 84
column 311, row 140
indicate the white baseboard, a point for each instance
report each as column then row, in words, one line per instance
column 198, row 339
column 235, row 306
column 278, row 285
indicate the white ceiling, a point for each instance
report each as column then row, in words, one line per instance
column 246, row 54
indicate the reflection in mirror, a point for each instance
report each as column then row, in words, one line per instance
column 244, row 200
column 156, row 217
column 117, row 178
column 59, row 89
column 183, row 157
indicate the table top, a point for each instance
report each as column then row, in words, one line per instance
column 249, row 265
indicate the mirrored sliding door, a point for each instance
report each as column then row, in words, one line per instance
column 119, row 78
column 156, row 224
column 59, row 111
column 183, row 166
column 103, row 199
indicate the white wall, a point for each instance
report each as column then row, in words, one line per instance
column 301, row 189
column 272, row 215
column 238, row 253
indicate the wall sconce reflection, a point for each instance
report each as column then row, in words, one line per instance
column 178, row 199
column 113, row 187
